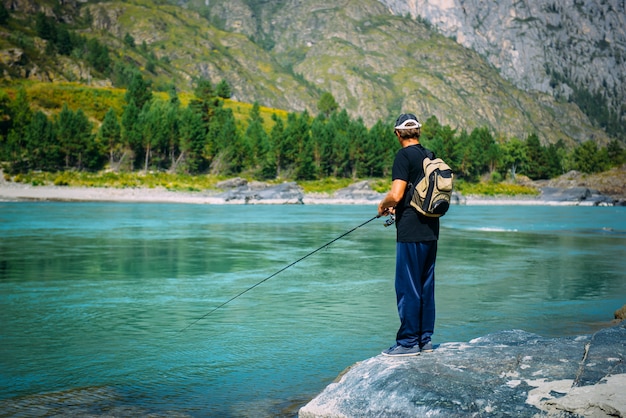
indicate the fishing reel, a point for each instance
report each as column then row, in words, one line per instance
column 390, row 221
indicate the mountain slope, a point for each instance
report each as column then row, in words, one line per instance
column 285, row 53
column 572, row 49
column 377, row 65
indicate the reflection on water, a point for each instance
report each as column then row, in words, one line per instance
column 93, row 297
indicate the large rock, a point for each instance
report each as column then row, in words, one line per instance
column 611, row 183
column 361, row 190
column 505, row 374
column 257, row 192
column 580, row 195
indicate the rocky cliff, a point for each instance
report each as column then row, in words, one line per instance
column 541, row 45
column 376, row 66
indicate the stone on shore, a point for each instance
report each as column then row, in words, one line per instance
column 361, row 190
column 258, row 192
column 509, row 373
column 581, row 195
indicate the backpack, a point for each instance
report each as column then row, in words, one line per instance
column 431, row 195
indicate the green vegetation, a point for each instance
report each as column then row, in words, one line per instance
column 326, row 185
column 494, row 189
column 158, row 140
column 594, row 105
column 146, row 131
column 169, row 44
column 169, row 181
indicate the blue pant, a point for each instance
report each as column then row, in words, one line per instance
column 415, row 291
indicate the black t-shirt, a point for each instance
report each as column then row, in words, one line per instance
column 412, row 226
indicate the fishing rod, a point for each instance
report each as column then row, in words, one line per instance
column 389, row 221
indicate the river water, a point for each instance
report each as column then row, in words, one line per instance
column 106, row 308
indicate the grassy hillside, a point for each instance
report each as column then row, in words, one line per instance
column 96, row 101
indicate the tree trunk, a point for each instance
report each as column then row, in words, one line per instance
column 175, row 163
column 147, row 158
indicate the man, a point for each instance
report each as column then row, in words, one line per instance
column 416, row 244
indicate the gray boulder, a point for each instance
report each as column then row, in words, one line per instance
column 256, row 192
column 458, row 199
column 581, row 195
column 232, row 183
column 505, row 374
column 358, row 191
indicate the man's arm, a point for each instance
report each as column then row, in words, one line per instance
column 393, row 197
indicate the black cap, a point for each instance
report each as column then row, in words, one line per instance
column 407, row 121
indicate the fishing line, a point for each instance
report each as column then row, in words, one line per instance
column 278, row 272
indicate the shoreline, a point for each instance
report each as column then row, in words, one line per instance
column 18, row 192
column 24, row 192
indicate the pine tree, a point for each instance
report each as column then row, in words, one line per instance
column 290, row 141
column 110, row 133
column 339, row 123
column 5, row 123
column 305, row 166
column 430, row 130
column 205, row 102
column 172, row 125
column 381, row 146
column 615, row 153
column 277, row 137
column 327, row 104
column 463, row 159
column 299, row 150
column 131, row 134
column 357, row 138
column 553, row 159
column 64, row 41
column 256, row 137
column 587, row 158
column 223, row 90
column 129, row 40
column 20, row 117
column 225, row 143
column 536, row 161
column 74, row 133
column 513, row 156
column 98, row 56
column 443, row 144
column 4, row 14
column 155, row 131
column 139, row 91
column 323, row 138
column 482, row 151
column 45, row 27
column 40, row 144
column 192, row 142
column 20, row 111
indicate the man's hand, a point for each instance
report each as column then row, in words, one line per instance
column 385, row 210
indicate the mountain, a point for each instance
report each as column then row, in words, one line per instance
column 286, row 53
column 572, row 49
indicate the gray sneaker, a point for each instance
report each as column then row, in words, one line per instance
column 427, row 348
column 401, row 351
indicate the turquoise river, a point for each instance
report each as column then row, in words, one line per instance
column 104, row 307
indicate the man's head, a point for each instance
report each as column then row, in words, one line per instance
column 407, row 127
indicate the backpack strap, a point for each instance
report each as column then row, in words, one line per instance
column 426, row 153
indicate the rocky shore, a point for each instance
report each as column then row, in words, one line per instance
column 505, row 374
column 570, row 189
